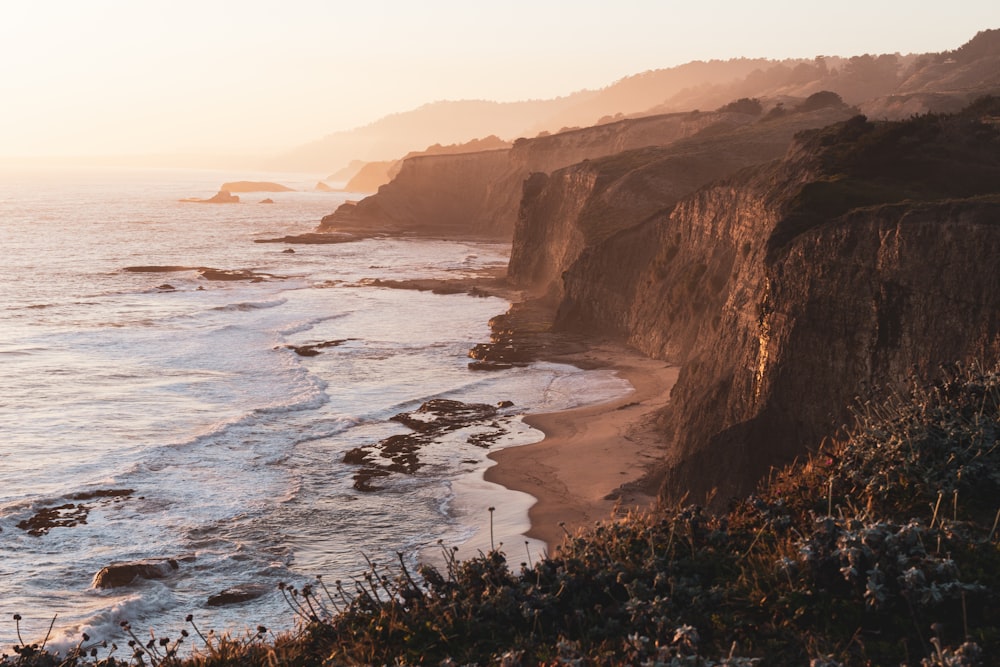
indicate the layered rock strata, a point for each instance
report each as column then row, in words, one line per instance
column 477, row 195
column 867, row 254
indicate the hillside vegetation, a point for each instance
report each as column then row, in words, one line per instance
column 881, row 549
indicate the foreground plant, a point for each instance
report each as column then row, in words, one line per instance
column 882, row 549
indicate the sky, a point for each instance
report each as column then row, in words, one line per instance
column 128, row 77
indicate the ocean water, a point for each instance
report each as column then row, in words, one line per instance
column 167, row 416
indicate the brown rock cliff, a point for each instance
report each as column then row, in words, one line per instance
column 477, row 194
column 790, row 289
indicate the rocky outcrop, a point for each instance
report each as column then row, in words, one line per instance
column 123, row 574
column 237, row 595
column 790, row 289
column 477, row 195
column 587, row 204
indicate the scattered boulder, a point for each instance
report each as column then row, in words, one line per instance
column 400, row 453
column 237, row 595
column 266, row 201
column 288, row 251
column 117, row 575
column 71, row 514
column 313, row 349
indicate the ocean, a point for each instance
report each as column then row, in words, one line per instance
column 159, row 414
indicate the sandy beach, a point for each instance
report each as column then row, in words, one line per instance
column 576, row 472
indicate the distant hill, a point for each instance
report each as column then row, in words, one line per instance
column 457, row 122
column 444, row 122
column 884, row 85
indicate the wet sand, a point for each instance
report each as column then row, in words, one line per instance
column 592, row 460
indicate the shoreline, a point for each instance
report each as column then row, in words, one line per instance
column 592, row 460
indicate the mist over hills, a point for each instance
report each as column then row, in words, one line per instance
column 891, row 86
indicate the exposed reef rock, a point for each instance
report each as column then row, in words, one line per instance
column 313, row 349
column 71, row 514
column 476, row 195
column 117, row 575
column 208, row 273
column 786, row 291
column 433, row 419
column 237, row 595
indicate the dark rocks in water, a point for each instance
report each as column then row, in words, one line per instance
column 63, row 516
column 266, row 201
column 166, row 287
column 237, row 595
column 103, row 493
column 501, row 354
column 288, row 251
column 234, row 274
column 207, row 272
column 505, row 404
column 400, row 453
column 117, row 575
column 68, row 515
column 490, row 366
column 157, row 269
column 440, row 415
column 313, row 349
column 313, row 238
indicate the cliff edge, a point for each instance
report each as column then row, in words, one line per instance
column 477, row 194
column 865, row 254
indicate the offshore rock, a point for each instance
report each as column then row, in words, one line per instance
column 436, row 417
column 117, row 575
column 237, row 595
column 476, row 194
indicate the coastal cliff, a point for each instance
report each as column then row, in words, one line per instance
column 786, row 291
column 477, row 195
column 585, row 205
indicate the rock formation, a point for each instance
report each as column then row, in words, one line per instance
column 790, row 289
column 123, row 574
column 586, row 204
column 476, row 195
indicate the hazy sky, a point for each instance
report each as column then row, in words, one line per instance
column 82, row 77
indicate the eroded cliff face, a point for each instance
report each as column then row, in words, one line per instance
column 866, row 254
column 434, row 195
column 848, row 310
column 477, row 195
column 580, row 208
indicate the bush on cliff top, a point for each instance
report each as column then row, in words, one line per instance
column 861, row 163
column 881, row 549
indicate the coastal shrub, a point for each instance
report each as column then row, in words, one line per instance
column 879, row 550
